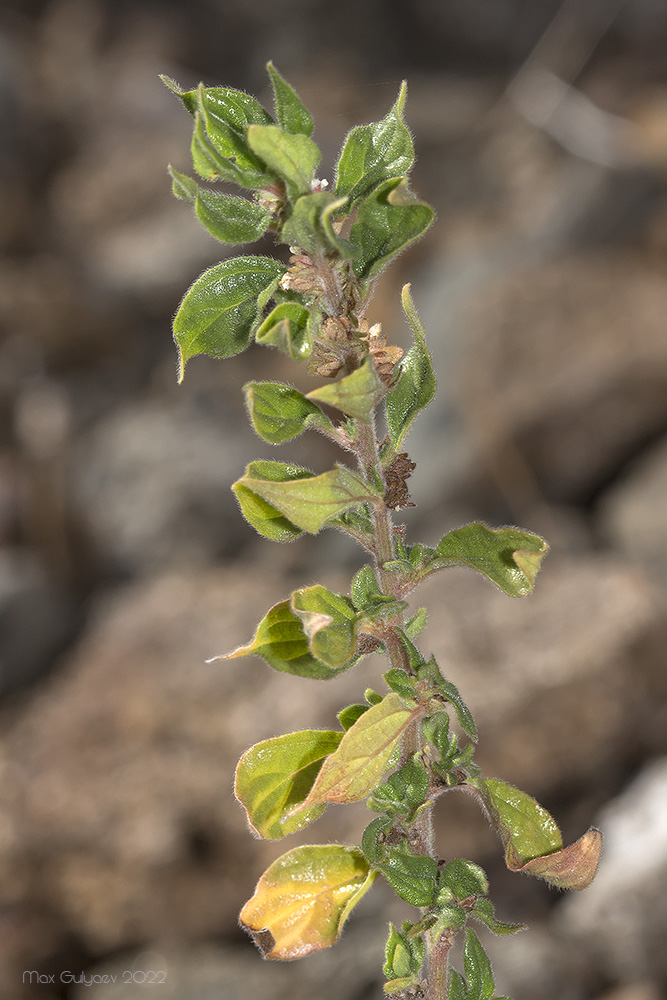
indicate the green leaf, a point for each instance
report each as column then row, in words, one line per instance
column 206, row 159
column 287, row 327
column 280, row 640
column 278, row 412
column 290, row 112
column 483, row 911
column 218, row 312
column 303, row 899
column 292, row 157
column 394, row 985
column 372, row 153
column 508, row 557
column 188, row 97
column 259, row 513
column 389, row 219
column 349, row 715
column 477, row 966
column 364, row 589
column 403, row 955
column 457, row 986
column 416, row 625
column 532, row 840
column 400, row 682
column 353, row 771
column 430, row 673
column 356, row 394
column 310, row 226
column 274, row 777
column 403, row 790
column 329, row 622
column 412, row 876
column 416, row 384
column 229, row 219
column 464, row 878
column 307, row 502
column 227, row 116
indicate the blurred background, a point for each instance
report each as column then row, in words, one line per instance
column 541, row 134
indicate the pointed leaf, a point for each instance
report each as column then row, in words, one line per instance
column 389, row 219
column 278, row 412
column 483, row 911
column 573, row 867
column 227, row 115
column 533, row 842
column 416, row 384
column 477, row 966
column 329, row 622
column 287, row 327
column 292, row 157
column 275, row 776
column 290, row 112
column 310, row 226
column 303, row 899
column 207, row 160
column 259, row 513
column 280, row 640
column 229, row 219
column 508, row 557
column 353, row 771
column 356, row 394
column 372, row 153
column 188, row 97
column 457, row 986
column 309, row 502
column 217, row 314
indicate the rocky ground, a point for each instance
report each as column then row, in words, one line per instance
column 124, row 563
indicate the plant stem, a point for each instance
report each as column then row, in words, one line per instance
column 437, row 955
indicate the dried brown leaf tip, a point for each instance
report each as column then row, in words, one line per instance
column 396, row 494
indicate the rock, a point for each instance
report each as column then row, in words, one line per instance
column 621, row 919
column 633, row 513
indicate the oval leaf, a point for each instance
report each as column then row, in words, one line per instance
column 508, row 557
column 261, row 515
column 275, row 776
column 293, row 157
column 287, row 327
column 416, row 383
column 218, row 312
column 389, row 220
column 281, row 641
column 278, row 412
column 353, row 771
column 303, row 899
column 309, row 502
column 229, row 219
column 329, row 621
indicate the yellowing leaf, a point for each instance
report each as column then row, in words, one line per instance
column 303, row 899
column 352, row 772
column 276, row 775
